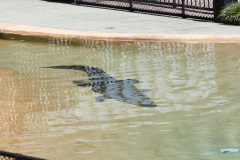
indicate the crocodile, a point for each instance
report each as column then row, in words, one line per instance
column 110, row 87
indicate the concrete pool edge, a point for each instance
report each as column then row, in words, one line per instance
column 35, row 31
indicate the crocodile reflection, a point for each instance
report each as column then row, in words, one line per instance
column 111, row 88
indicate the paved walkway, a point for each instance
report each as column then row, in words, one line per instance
column 44, row 13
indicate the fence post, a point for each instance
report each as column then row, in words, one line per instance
column 174, row 3
column 131, row 6
column 217, row 6
column 183, row 9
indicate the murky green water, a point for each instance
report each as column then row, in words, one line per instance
column 195, row 86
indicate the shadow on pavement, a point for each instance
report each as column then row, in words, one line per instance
column 60, row 1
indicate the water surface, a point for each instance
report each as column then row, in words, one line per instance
column 195, row 86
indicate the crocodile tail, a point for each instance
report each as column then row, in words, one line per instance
column 75, row 67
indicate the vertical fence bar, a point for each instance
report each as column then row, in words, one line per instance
column 174, row 3
column 131, row 6
column 183, row 9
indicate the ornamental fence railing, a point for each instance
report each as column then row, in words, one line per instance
column 200, row 9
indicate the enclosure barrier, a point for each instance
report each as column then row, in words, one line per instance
column 15, row 156
column 199, row 9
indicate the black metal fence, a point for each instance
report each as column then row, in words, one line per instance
column 201, row 9
column 15, row 156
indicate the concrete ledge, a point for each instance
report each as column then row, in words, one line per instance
column 34, row 31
